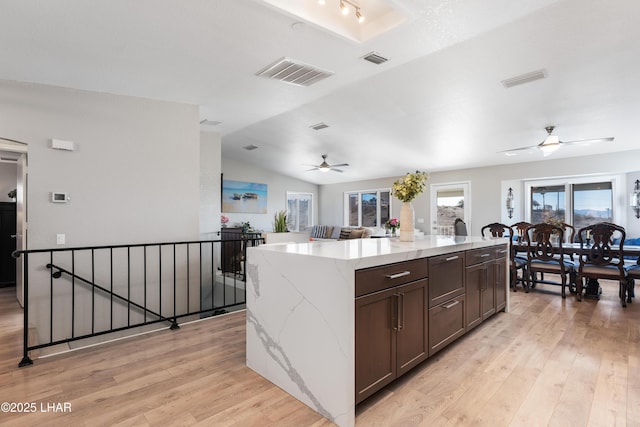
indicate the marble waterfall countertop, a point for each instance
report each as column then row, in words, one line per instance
column 301, row 312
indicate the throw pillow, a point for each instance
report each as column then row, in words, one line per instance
column 356, row 234
column 318, row 231
column 345, row 233
column 328, row 232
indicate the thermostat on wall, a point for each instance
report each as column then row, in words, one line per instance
column 59, row 197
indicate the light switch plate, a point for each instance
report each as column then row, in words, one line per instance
column 60, row 239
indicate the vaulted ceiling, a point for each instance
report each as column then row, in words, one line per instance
column 438, row 103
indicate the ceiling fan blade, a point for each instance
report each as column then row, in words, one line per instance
column 312, row 169
column 340, row 165
column 518, row 149
column 336, row 170
column 584, row 141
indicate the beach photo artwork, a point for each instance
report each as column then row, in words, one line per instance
column 244, row 197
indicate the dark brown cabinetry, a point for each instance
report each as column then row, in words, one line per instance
column 485, row 275
column 401, row 317
column 500, row 276
column 480, row 285
column 446, row 300
column 391, row 323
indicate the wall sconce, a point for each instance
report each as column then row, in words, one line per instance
column 510, row 202
column 634, row 200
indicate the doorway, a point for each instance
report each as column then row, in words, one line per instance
column 15, row 152
column 448, row 202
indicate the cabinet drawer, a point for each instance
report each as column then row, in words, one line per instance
column 386, row 276
column 446, row 323
column 476, row 256
column 446, row 277
column 502, row 251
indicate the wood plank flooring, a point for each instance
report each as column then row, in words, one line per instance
column 549, row 362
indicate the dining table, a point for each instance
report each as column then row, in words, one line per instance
column 630, row 253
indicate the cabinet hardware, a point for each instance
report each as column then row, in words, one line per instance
column 452, row 258
column 394, row 315
column 451, row 304
column 503, row 251
column 401, row 300
column 484, row 255
column 397, row 275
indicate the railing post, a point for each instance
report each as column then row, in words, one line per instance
column 25, row 278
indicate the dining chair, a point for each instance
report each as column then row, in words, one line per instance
column 459, row 227
column 600, row 258
column 496, row 230
column 520, row 228
column 569, row 232
column 543, row 256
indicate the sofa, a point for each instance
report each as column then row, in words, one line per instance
column 331, row 232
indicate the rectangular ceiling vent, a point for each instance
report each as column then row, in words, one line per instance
column 207, row 122
column 319, row 126
column 375, row 58
column 525, row 78
column 294, row 72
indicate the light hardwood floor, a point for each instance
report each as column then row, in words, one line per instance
column 548, row 362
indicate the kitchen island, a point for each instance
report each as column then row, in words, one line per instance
column 305, row 301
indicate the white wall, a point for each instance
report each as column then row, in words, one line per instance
column 210, row 169
column 278, row 185
column 489, row 184
column 134, row 176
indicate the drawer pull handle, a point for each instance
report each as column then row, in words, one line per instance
column 484, row 255
column 503, row 251
column 451, row 304
column 452, row 258
column 397, row 275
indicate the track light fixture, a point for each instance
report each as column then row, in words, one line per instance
column 344, row 9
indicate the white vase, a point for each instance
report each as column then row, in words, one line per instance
column 407, row 222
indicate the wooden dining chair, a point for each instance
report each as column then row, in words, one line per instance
column 600, row 258
column 543, row 256
column 496, row 230
column 459, row 227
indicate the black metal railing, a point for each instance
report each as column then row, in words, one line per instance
column 72, row 294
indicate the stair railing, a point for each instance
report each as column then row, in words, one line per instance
column 76, row 293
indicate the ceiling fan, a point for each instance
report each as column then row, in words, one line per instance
column 552, row 142
column 326, row 167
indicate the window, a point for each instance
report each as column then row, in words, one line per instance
column 299, row 211
column 578, row 201
column 448, row 202
column 369, row 208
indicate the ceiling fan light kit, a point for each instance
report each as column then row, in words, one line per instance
column 326, row 167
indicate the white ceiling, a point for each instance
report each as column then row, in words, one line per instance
column 437, row 104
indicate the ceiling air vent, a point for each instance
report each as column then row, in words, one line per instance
column 319, row 126
column 375, row 58
column 250, row 147
column 207, row 122
column 525, row 78
column 294, row 72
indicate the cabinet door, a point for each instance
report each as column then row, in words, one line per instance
column 488, row 291
column 446, row 277
column 476, row 276
column 376, row 325
column 500, row 277
column 412, row 335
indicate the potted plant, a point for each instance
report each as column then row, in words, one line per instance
column 280, row 222
column 406, row 189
